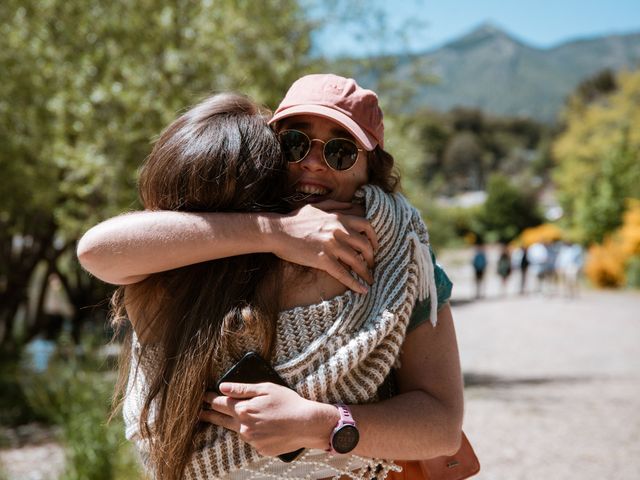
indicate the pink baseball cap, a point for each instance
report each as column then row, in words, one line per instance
column 339, row 99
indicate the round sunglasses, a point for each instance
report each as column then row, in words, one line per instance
column 338, row 153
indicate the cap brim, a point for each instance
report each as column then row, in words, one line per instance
column 368, row 141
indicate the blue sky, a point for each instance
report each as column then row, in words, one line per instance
column 541, row 23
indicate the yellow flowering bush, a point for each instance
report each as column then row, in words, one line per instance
column 547, row 232
column 605, row 264
column 616, row 261
column 629, row 233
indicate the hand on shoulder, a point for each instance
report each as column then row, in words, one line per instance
column 329, row 236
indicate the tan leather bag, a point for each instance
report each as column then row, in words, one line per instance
column 462, row 464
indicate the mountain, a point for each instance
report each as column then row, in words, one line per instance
column 491, row 70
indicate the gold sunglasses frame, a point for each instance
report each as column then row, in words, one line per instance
column 311, row 140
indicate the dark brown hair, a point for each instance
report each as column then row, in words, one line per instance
column 381, row 170
column 220, row 156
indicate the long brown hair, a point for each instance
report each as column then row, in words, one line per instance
column 220, row 156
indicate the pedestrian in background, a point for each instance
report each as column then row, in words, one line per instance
column 504, row 267
column 520, row 261
column 479, row 264
column 569, row 265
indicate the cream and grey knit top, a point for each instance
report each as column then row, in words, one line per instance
column 340, row 350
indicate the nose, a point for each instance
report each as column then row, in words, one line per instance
column 314, row 160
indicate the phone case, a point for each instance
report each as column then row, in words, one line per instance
column 252, row 368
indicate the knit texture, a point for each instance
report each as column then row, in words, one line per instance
column 340, row 350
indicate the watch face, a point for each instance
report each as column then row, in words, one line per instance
column 345, row 439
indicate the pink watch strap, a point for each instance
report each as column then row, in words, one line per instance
column 345, row 419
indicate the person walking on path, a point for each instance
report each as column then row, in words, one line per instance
column 504, row 267
column 522, row 263
column 569, row 264
column 479, row 264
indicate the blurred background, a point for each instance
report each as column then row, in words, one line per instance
column 516, row 128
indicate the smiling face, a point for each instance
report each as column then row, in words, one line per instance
column 312, row 176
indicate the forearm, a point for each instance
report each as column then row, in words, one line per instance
column 128, row 248
column 410, row 426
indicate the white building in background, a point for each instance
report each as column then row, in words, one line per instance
column 464, row 200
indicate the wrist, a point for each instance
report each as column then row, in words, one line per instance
column 345, row 435
column 325, row 418
column 269, row 224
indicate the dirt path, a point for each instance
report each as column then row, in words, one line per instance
column 43, row 461
column 553, row 384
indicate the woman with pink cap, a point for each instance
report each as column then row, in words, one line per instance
column 370, row 378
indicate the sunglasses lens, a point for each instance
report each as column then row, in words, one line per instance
column 340, row 153
column 295, row 145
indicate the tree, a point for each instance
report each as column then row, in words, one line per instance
column 461, row 148
column 507, row 210
column 600, row 208
column 598, row 157
column 595, row 87
column 462, row 162
column 86, row 86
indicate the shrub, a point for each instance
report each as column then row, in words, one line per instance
column 633, row 271
column 508, row 210
column 616, row 261
column 547, row 232
column 629, row 233
column 605, row 265
column 76, row 396
column 14, row 408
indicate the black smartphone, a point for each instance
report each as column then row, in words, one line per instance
column 252, row 368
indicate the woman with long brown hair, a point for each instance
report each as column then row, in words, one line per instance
column 220, row 156
column 335, row 348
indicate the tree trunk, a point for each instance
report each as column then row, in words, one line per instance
column 18, row 264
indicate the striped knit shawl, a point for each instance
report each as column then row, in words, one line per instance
column 341, row 349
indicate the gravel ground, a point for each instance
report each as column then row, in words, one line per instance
column 33, row 462
column 552, row 384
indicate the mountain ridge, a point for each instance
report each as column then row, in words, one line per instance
column 491, row 69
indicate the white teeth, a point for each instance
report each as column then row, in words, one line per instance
column 312, row 190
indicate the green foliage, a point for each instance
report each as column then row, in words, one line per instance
column 596, row 86
column 14, row 408
column 86, row 87
column 459, row 150
column 75, row 394
column 94, row 82
column 599, row 209
column 633, row 272
column 507, row 211
column 598, row 156
column 403, row 140
column 442, row 231
column 466, row 220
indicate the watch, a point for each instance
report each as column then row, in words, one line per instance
column 345, row 435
